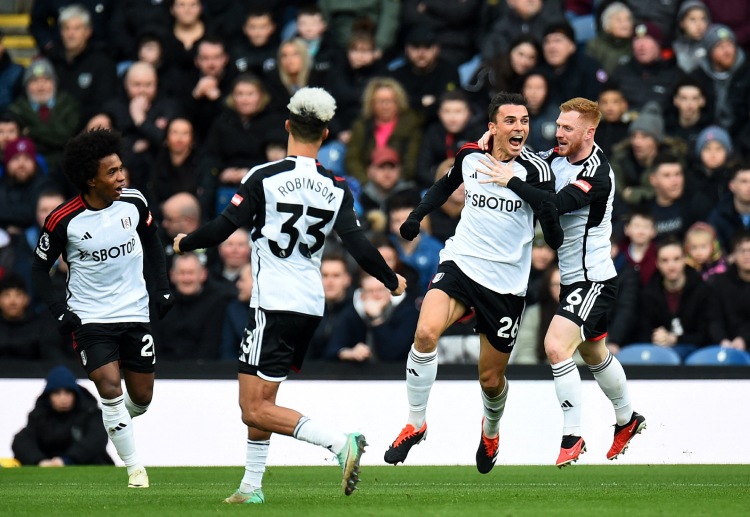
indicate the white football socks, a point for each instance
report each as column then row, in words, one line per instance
column 612, row 380
column 493, row 411
column 119, row 427
column 255, row 465
column 134, row 409
column 421, row 371
column 316, row 433
column 569, row 393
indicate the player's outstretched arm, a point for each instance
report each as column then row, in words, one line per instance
column 401, row 286
column 210, row 234
column 370, row 259
column 435, row 197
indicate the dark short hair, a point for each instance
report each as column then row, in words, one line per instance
column 666, row 157
column 82, row 154
column 640, row 212
column 743, row 166
column 669, row 240
column 8, row 117
column 738, row 238
column 501, row 99
column 13, row 281
column 454, row 95
column 689, row 81
column 335, row 256
column 409, row 198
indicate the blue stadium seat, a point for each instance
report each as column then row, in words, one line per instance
column 716, row 355
column 331, row 156
column 648, row 354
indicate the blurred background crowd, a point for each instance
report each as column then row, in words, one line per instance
column 199, row 91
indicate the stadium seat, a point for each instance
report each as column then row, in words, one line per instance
column 648, row 354
column 716, row 355
column 331, row 156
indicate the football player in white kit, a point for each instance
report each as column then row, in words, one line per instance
column 585, row 186
column 291, row 206
column 485, row 267
column 104, row 234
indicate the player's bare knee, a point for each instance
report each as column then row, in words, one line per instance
column 142, row 399
column 426, row 338
column 249, row 417
column 593, row 352
column 109, row 390
column 492, row 383
column 254, row 414
column 555, row 352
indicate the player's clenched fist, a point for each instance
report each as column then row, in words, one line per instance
column 176, row 243
column 410, row 228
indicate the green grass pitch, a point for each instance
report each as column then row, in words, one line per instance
column 595, row 490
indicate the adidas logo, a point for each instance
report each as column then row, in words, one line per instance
column 412, row 371
column 118, row 427
column 566, row 404
column 569, row 308
column 86, row 236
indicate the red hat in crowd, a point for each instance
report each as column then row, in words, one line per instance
column 383, row 155
column 19, row 146
column 649, row 29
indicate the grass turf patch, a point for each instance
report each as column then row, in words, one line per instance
column 595, row 490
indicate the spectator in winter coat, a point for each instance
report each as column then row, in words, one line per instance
column 23, row 333
column 64, row 428
column 732, row 214
column 676, row 300
column 84, row 70
column 729, row 319
column 377, row 327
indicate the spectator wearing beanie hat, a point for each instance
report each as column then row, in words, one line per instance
column 632, row 159
column 50, row 116
column 572, row 73
column 712, row 170
column 64, row 427
column 735, row 14
column 693, row 19
column 725, row 75
column 20, row 186
column 18, row 146
column 714, row 134
column 649, row 75
column 661, row 13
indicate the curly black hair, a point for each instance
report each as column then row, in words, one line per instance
column 80, row 161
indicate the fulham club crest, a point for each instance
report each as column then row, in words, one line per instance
column 125, row 222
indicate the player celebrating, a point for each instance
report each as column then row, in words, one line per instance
column 291, row 205
column 484, row 266
column 103, row 235
column 585, row 187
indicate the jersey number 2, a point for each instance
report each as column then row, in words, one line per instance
column 314, row 230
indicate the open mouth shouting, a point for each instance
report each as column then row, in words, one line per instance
column 516, row 142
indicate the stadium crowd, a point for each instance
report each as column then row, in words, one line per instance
column 199, row 92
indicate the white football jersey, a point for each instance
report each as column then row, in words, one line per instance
column 104, row 254
column 492, row 243
column 585, row 252
column 291, row 206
